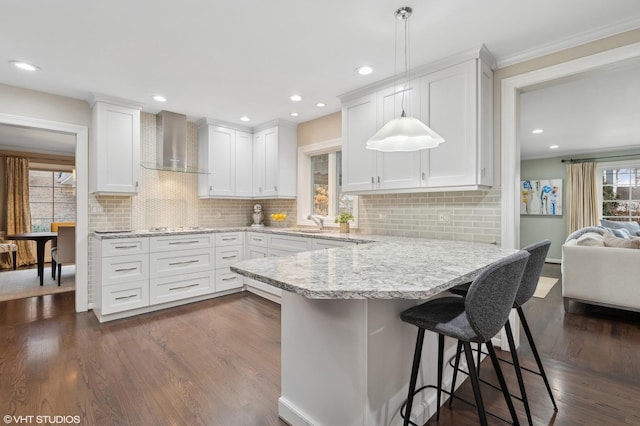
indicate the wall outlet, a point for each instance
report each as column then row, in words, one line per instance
column 444, row 217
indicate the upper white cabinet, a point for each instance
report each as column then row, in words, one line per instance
column 454, row 99
column 274, row 162
column 226, row 154
column 114, row 153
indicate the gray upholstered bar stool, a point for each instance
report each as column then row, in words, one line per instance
column 475, row 318
column 538, row 254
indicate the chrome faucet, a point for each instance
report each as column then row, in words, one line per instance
column 317, row 220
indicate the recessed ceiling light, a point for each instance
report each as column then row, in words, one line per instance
column 320, row 105
column 245, row 118
column 554, row 147
column 364, row 70
column 159, row 98
column 537, row 131
column 294, row 114
column 295, row 98
column 25, row 66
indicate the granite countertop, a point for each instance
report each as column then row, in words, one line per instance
column 396, row 268
column 298, row 232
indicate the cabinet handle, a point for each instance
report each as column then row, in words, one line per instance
column 259, row 189
column 229, row 257
column 136, row 184
column 127, row 269
column 275, row 188
column 229, row 279
column 173, row 243
column 184, row 286
column 126, row 297
column 372, row 180
column 131, row 246
column 211, row 188
column 229, row 239
column 184, row 262
column 424, row 175
column 378, row 179
column 257, row 239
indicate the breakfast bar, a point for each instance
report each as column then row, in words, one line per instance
column 346, row 355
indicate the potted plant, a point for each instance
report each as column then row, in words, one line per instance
column 343, row 219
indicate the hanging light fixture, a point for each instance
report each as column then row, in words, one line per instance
column 404, row 133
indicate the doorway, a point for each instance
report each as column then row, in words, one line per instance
column 82, row 193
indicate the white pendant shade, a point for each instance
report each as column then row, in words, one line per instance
column 404, row 134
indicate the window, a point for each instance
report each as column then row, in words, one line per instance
column 320, row 184
column 52, row 197
column 620, row 191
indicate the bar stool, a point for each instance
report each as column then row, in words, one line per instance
column 538, row 253
column 475, row 318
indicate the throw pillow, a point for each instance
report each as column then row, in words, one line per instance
column 632, row 227
column 621, row 242
column 621, row 233
column 591, row 239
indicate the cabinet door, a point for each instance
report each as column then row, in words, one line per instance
column 222, row 173
column 448, row 106
column 271, row 171
column 358, row 125
column 244, row 164
column 397, row 170
column 485, row 124
column 258, row 164
column 115, row 149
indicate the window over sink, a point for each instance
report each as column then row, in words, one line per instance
column 320, row 184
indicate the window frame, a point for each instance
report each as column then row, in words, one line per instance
column 304, row 182
column 601, row 167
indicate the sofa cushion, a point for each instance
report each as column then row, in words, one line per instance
column 590, row 239
column 610, row 241
column 632, row 227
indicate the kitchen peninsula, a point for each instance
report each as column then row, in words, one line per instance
column 346, row 355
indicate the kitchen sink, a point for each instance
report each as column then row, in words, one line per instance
column 306, row 230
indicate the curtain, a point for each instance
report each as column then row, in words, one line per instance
column 18, row 208
column 582, row 196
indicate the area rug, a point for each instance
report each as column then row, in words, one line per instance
column 25, row 283
column 545, row 284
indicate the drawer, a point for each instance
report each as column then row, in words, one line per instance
column 254, row 239
column 180, row 242
column 124, row 246
column 257, row 252
column 227, row 280
column 123, row 269
column 293, row 244
column 229, row 238
column 124, row 297
column 181, row 262
column 168, row 289
column 226, row 256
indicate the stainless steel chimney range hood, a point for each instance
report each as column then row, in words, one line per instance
column 171, row 144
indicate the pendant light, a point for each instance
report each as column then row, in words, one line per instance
column 404, row 133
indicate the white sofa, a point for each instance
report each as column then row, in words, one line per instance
column 599, row 275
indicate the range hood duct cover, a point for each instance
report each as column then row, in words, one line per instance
column 171, row 141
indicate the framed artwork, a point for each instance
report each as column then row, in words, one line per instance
column 541, row 197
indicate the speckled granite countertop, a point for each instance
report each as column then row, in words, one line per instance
column 299, row 232
column 396, row 268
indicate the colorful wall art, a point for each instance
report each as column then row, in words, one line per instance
column 541, row 197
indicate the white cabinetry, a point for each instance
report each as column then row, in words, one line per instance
column 457, row 105
column 121, row 275
column 181, row 267
column 229, row 250
column 226, row 155
column 114, row 153
column 274, row 162
column 454, row 99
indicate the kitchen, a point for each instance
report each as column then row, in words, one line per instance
column 177, row 195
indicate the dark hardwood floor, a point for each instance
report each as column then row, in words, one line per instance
column 218, row 363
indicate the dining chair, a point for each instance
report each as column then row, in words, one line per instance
column 54, row 228
column 13, row 250
column 65, row 252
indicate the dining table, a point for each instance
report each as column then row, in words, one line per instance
column 41, row 239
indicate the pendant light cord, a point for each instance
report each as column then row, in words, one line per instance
column 406, row 61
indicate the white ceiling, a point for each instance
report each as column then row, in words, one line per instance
column 591, row 112
column 226, row 58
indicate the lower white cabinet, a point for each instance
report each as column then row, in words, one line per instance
column 229, row 250
column 124, row 297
